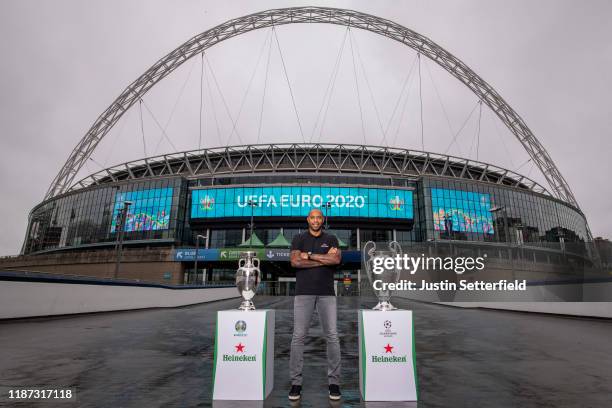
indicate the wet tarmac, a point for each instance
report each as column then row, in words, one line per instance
column 163, row 357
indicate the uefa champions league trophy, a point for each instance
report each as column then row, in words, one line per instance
column 248, row 277
column 387, row 276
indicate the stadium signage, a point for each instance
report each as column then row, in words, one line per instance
column 232, row 254
column 298, row 200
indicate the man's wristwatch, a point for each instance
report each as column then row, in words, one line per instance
column 309, row 253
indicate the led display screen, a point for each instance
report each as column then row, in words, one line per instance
column 297, row 201
column 150, row 209
column 463, row 211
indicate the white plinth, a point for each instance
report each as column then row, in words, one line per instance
column 387, row 360
column 244, row 355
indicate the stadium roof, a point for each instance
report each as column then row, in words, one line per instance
column 309, row 158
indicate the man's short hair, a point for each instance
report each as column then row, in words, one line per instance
column 314, row 209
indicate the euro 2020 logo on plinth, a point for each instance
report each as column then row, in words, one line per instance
column 372, row 257
column 240, row 326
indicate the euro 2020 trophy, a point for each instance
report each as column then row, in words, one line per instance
column 386, row 276
column 248, row 277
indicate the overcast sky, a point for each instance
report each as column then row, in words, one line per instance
column 64, row 62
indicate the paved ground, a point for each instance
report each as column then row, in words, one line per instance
column 163, row 358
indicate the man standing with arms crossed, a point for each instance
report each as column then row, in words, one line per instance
column 314, row 254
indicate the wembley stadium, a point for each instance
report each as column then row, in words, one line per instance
column 185, row 217
column 425, row 201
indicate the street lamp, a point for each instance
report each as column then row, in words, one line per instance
column 327, row 207
column 195, row 273
column 121, row 218
column 252, row 204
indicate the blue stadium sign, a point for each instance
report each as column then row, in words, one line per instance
column 297, row 201
column 188, row 254
column 232, row 254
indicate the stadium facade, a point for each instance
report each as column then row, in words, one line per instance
column 427, row 202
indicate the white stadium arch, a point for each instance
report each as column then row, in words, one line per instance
column 296, row 15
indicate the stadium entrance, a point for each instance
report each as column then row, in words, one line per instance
column 278, row 277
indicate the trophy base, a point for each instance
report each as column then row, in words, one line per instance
column 384, row 306
column 247, row 305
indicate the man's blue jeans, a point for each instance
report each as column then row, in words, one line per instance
column 303, row 308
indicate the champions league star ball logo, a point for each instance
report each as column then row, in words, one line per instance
column 388, row 332
column 207, row 203
column 396, row 203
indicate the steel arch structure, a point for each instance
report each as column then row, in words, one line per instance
column 349, row 18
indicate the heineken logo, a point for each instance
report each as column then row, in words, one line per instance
column 389, row 359
column 244, row 357
column 239, row 357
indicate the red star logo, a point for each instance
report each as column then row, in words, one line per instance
column 388, row 348
column 240, row 348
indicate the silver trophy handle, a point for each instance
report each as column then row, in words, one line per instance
column 395, row 247
column 368, row 249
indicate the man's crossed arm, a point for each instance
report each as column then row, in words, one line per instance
column 301, row 260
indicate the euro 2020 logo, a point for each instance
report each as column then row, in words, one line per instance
column 207, row 203
column 396, row 203
column 240, row 327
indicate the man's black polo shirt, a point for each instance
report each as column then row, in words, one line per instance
column 320, row 279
